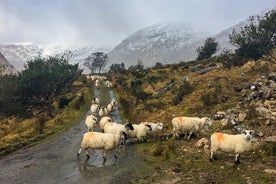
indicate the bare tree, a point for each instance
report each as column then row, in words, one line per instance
column 100, row 59
column 90, row 64
column 96, row 60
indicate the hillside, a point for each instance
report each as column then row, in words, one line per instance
column 167, row 43
column 164, row 42
column 245, row 94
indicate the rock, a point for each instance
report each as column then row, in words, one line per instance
column 267, row 122
column 270, row 139
column 205, row 70
column 224, row 122
column 238, row 89
column 260, row 134
column 201, row 142
column 270, row 171
column 242, row 116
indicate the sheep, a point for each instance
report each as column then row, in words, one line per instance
column 139, row 132
column 95, row 100
column 105, row 141
column 231, row 143
column 189, row 124
column 115, row 127
column 155, row 128
column 104, row 120
column 110, row 107
column 97, row 83
column 90, row 122
column 103, row 111
column 94, row 108
column 108, row 84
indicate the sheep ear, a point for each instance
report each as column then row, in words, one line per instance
column 252, row 131
column 243, row 131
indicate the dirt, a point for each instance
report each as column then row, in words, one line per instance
column 55, row 161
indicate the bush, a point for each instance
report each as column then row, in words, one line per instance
column 182, row 91
column 257, row 38
column 212, row 97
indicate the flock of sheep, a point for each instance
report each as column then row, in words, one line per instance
column 114, row 134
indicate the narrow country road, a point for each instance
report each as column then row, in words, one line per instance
column 55, row 161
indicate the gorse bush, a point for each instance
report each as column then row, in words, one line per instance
column 257, row 38
column 211, row 97
column 37, row 86
column 185, row 89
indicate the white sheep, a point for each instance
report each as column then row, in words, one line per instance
column 189, row 125
column 97, row 83
column 108, row 84
column 95, row 100
column 98, row 140
column 231, row 143
column 116, row 127
column 94, row 108
column 90, row 122
column 155, row 128
column 103, row 111
column 104, row 120
column 110, row 107
column 139, row 131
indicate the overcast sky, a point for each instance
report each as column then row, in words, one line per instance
column 105, row 23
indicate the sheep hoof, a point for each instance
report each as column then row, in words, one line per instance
column 115, row 156
column 87, row 157
column 237, row 162
column 78, row 155
column 211, row 160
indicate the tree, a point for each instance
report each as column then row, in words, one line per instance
column 117, row 68
column 210, row 47
column 43, row 79
column 257, row 38
column 96, row 60
column 90, row 64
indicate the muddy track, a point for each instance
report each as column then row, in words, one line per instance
column 55, row 161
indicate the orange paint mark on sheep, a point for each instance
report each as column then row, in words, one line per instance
column 219, row 136
column 91, row 134
column 179, row 120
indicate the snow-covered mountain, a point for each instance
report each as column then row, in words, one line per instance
column 167, row 43
column 164, row 42
column 19, row 53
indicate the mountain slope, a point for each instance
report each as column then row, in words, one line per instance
column 19, row 53
column 165, row 43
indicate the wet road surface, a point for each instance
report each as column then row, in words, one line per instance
column 55, row 161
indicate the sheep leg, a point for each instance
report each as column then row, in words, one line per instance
column 237, row 159
column 104, row 156
column 87, row 153
column 191, row 132
column 79, row 152
column 212, row 157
